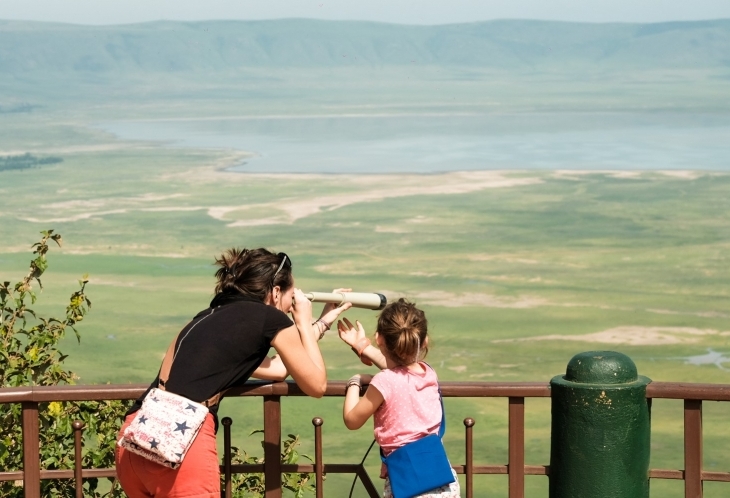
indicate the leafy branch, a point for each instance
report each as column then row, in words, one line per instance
column 29, row 356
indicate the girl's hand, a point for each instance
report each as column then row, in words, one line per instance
column 350, row 333
column 364, row 378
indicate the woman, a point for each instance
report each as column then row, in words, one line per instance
column 222, row 347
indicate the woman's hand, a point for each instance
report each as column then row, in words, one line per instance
column 332, row 311
column 301, row 308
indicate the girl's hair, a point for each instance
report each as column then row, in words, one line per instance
column 253, row 272
column 404, row 329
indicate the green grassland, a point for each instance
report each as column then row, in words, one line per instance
column 517, row 271
column 568, row 255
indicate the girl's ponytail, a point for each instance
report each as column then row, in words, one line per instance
column 404, row 329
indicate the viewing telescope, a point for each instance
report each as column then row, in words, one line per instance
column 367, row 300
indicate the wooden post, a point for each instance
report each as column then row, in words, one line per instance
column 272, row 446
column 227, row 455
column 31, row 451
column 693, row 448
column 516, row 464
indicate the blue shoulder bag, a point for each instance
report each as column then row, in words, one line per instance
column 419, row 466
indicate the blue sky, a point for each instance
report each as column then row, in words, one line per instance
column 395, row 11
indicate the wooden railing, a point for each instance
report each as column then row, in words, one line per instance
column 516, row 393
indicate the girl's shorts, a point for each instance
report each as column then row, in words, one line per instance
column 449, row 491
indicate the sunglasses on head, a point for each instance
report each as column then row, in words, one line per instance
column 285, row 260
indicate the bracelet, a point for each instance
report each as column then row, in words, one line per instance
column 353, row 382
column 361, row 345
column 325, row 327
column 358, row 349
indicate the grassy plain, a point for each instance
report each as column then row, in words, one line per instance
column 517, row 271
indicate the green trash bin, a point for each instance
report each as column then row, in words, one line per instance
column 600, row 429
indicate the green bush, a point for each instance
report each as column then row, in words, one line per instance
column 30, row 357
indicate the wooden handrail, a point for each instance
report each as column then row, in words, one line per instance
column 271, row 392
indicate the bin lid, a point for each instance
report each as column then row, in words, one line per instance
column 601, row 367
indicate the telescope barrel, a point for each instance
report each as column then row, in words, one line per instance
column 367, row 300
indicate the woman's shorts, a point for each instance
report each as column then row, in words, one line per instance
column 197, row 477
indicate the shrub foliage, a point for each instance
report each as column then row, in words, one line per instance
column 29, row 356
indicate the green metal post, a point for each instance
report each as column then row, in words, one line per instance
column 600, row 429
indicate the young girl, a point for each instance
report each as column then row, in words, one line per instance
column 404, row 396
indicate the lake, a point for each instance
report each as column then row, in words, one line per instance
column 432, row 143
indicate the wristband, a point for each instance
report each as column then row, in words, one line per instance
column 359, row 347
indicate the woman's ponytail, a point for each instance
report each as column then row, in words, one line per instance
column 251, row 272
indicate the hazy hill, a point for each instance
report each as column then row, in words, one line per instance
column 27, row 47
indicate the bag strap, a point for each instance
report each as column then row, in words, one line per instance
column 442, row 429
column 170, row 356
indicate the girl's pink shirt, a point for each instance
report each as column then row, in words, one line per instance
column 411, row 408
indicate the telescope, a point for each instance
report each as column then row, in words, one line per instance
column 367, row 300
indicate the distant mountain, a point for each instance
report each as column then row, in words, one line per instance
column 27, row 47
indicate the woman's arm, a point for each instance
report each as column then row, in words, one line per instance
column 298, row 349
column 356, row 410
column 272, row 368
column 307, row 372
column 354, row 336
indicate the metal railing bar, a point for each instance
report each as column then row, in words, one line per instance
column 368, row 483
column 78, row 427
column 327, row 468
column 247, row 468
column 482, row 469
column 318, row 463
column 469, row 460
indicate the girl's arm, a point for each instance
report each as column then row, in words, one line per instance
column 354, row 336
column 356, row 410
